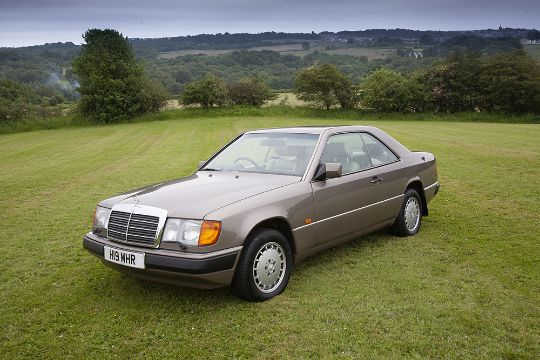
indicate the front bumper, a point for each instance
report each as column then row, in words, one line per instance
column 209, row 270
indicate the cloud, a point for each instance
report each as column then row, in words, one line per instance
column 35, row 22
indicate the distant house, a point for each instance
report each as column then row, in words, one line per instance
column 417, row 54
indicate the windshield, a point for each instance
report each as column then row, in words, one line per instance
column 273, row 153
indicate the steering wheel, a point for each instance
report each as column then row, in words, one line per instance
column 248, row 160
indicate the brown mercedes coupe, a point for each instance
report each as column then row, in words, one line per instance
column 267, row 200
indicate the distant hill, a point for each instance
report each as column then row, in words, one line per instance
column 174, row 61
column 152, row 47
column 144, row 46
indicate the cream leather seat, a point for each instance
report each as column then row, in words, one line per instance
column 335, row 152
column 289, row 159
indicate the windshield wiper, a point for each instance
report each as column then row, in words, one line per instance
column 210, row 169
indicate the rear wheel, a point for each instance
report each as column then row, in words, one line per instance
column 264, row 267
column 410, row 216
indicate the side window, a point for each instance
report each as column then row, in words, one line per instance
column 349, row 150
column 378, row 152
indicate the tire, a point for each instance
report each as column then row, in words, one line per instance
column 264, row 268
column 410, row 216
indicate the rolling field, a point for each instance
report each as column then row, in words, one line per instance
column 292, row 49
column 370, row 53
column 285, row 49
column 177, row 53
column 467, row 286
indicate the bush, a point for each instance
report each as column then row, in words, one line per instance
column 325, row 85
column 209, row 92
column 386, row 90
column 153, row 96
column 251, row 91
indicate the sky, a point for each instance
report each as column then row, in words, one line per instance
column 34, row 22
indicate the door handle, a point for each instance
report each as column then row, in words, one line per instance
column 376, row 180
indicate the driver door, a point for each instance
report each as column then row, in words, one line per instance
column 339, row 202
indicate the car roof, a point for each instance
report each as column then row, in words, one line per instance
column 311, row 129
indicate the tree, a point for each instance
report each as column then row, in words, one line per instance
column 207, row 92
column 533, row 35
column 182, row 76
column 16, row 101
column 19, row 101
column 387, row 90
column 347, row 95
column 510, row 83
column 112, row 83
column 305, row 45
column 473, row 43
column 251, row 91
column 427, row 39
column 325, row 85
column 388, row 41
column 452, row 84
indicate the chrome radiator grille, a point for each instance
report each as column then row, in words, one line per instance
column 133, row 228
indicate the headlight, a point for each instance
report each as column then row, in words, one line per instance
column 191, row 232
column 101, row 219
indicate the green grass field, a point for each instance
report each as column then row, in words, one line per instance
column 292, row 49
column 370, row 53
column 209, row 52
column 467, row 286
column 282, row 48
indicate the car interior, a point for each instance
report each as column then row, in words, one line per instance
column 351, row 159
column 357, row 156
column 290, row 159
column 294, row 158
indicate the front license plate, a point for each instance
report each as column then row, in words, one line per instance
column 126, row 258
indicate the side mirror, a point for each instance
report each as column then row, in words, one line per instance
column 328, row 171
column 201, row 163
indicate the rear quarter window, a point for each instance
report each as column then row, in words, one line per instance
column 379, row 153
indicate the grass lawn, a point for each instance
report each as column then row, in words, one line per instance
column 467, row 286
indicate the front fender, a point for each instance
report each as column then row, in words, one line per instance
column 293, row 203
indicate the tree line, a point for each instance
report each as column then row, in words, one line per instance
column 45, row 65
column 113, row 84
column 507, row 83
column 278, row 69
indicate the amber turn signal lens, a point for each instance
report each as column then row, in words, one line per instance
column 209, row 232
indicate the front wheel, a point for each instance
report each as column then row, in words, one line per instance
column 264, row 267
column 410, row 216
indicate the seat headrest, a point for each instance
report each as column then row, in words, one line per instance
column 333, row 151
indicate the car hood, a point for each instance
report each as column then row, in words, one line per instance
column 203, row 192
